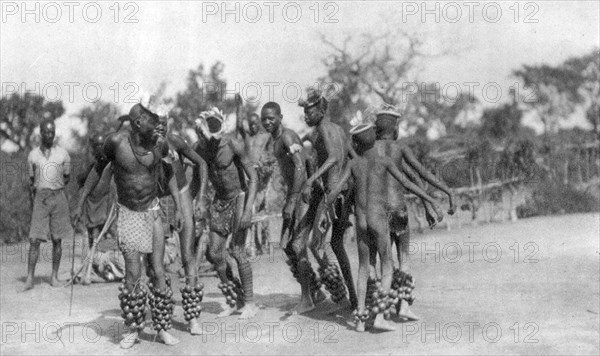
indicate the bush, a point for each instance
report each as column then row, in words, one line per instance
column 550, row 197
column 15, row 206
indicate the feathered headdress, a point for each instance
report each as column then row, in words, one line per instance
column 313, row 97
column 154, row 102
column 361, row 123
column 357, row 119
column 389, row 109
column 214, row 112
column 362, row 127
column 163, row 110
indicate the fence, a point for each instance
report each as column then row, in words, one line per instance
column 576, row 165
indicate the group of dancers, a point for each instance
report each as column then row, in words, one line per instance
column 327, row 178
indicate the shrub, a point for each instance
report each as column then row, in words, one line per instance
column 15, row 205
column 551, row 197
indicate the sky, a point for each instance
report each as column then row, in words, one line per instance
column 97, row 50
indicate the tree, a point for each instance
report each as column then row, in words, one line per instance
column 552, row 100
column 558, row 90
column 431, row 108
column 101, row 117
column 586, row 70
column 21, row 114
column 364, row 70
column 203, row 91
column 503, row 122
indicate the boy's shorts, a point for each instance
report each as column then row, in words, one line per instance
column 50, row 216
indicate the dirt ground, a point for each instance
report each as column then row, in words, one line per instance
column 529, row 287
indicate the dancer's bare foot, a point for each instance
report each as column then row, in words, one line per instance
column 129, row 340
column 439, row 213
column 406, row 313
column 452, row 207
column 430, row 216
column 430, row 220
column 248, row 311
column 360, row 326
column 55, row 282
column 304, row 306
column 195, row 328
column 319, row 296
column 28, row 284
column 381, row 324
column 227, row 311
column 167, row 338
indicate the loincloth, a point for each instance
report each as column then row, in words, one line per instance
column 224, row 214
column 99, row 201
column 398, row 220
column 96, row 209
column 341, row 205
column 168, row 213
column 264, row 174
column 310, row 212
column 338, row 210
column 135, row 229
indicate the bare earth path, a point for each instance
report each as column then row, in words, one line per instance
column 531, row 287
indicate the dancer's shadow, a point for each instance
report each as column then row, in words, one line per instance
column 108, row 325
column 326, row 311
column 38, row 282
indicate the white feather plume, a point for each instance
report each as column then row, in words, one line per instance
column 163, row 110
column 357, row 119
column 145, row 98
column 227, row 125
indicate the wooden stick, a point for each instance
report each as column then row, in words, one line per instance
column 259, row 218
column 88, row 261
column 72, row 275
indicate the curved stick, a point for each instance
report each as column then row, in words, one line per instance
column 88, row 261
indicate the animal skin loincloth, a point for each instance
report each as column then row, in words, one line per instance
column 398, row 220
column 396, row 214
column 168, row 213
column 223, row 214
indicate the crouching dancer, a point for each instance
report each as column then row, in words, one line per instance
column 135, row 160
column 370, row 173
column 230, row 212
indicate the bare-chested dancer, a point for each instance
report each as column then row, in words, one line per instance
column 331, row 148
column 257, row 140
column 230, row 211
column 99, row 201
column 135, row 158
column 370, row 173
column 386, row 127
column 288, row 151
column 179, row 149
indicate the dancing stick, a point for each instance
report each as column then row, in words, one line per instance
column 88, row 261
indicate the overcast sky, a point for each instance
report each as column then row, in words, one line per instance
column 171, row 37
